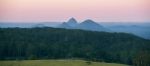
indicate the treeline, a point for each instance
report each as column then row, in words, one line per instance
column 52, row 43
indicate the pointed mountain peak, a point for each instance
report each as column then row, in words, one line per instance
column 72, row 20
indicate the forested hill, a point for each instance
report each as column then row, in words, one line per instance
column 54, row 43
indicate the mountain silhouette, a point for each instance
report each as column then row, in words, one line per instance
column 72, row 22
column 91, row 25
column 85, row 25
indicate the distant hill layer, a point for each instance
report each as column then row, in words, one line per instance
column 85, row 25
column 140, row 29
column 55, row 43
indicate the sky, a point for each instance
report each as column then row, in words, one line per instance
column 62, row 10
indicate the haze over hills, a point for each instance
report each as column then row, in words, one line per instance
column 94, row 41
column 105, row 31
column 85, row 25
column 139, row 29
column 28, row 24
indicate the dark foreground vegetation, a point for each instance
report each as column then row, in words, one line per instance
column 52, row 43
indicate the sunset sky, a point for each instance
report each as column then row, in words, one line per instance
column 62, row 10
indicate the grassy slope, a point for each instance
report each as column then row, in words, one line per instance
column 55, row 63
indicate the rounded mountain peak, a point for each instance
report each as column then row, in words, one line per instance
column 89, row 21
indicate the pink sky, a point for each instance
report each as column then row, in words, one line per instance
column 62, row 10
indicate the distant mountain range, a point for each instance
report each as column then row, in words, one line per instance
column 140, row 29
column 85, row 25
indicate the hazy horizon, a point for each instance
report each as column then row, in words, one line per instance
column 78, row 21
column 61, row 10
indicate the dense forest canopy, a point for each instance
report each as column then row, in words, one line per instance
column 55, row 43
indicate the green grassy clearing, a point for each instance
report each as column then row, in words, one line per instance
column 56, row 63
